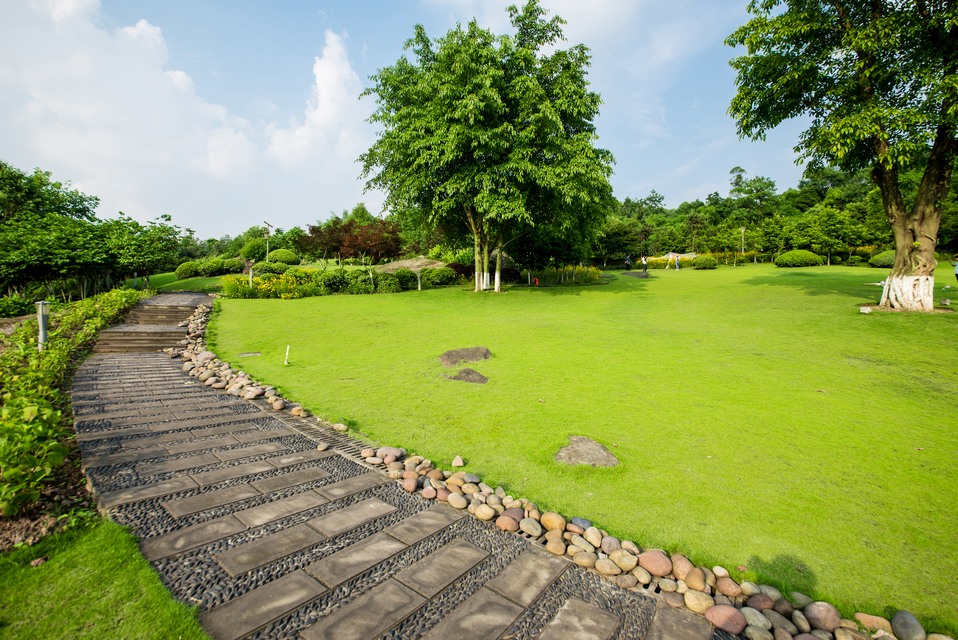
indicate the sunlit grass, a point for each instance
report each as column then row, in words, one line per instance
column 95, row 584
column 759, row 418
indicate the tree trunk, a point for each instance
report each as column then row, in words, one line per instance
column 911, row 284
column 498, row 288
column 476, row 228
column 485, row 264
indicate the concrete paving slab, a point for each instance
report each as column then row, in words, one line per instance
column 209, row 500
column 268, row 549
column 122, row 457
column 102, row 434
column 677, row 624
column 203, row 444
column 291, row 479
column 581, row 620
column 528, row 575
column 263, row 434
column 424, row 524
column 369, row 615
column 191, row 537
column 248, row 452
column 483, row 616
column 353, row 560
column 146, row 491
column 207, row 478
column 299, row 457
column 263, row 513
column 238, row 418
column 247, row 613
column 337, row 522
column 177, row 464
column 442, row 567
column 353, row 485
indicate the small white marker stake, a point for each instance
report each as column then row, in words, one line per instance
column 287, row 355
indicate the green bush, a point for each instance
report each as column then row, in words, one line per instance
column 186, row 270
column 255, row 249
column 283, row 255
column 883, row 260
column 211, row 267
column 387, row 283
column 798, row 258
column 237, row 287
column 854, row 261
column 276, row 268
column 358, row 282
column 439, row 277
column 13, row 306
column 705, row 262
column 331, row 281
column 32, row 424
column 233, row 265
column 407, row 279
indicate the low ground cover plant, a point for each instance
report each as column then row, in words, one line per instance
column 296, row 282
column 32, row 416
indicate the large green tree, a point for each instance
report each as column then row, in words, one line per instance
column 491, row 133
column 879, row 81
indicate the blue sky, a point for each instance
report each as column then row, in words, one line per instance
column 226, row 113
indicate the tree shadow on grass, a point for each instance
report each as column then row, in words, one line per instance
column 603, row 285
column 860, row 286
column 785, row 572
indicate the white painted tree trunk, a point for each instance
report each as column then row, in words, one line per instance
column 909, row 293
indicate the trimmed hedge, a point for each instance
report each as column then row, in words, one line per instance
column 283, row 255
column 883, row 260
column 798, row 258
column 705, row 262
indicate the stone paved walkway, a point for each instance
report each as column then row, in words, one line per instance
column 243, row 515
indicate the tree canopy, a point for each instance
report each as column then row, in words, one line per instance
column 879, row 81
column 490, row 134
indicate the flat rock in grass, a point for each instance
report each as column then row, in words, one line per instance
column 586, row 451
column 468, row 354
column 469, row 375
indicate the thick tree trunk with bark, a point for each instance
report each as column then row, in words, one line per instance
column 911, row 284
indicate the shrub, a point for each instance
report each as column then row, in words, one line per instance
column 331, row 281
column 255, row 249
column 186, row 270
column 237, row 287
column 883, row 260
column 387, row 283
column 276, row 268
column 705, row 262
column 798, row 258
column 13, row 306
column 32, row 424
column 358, row 282
column 283, row 255
column 439, row 277
column 854, row 261
column 233, row 265
column 211, row 267
column 407, row 279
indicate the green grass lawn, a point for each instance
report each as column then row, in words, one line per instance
column 94, row 585
column 759, row 418
column 168, row 282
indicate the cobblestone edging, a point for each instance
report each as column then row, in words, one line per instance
column 758, row 612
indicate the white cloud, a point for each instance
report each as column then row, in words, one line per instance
column 64, row 10
column 333, row 114
column 100, row 108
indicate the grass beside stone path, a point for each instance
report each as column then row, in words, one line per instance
column 760, row 420
column 93, row 583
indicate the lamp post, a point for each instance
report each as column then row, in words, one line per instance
column 43, row 318
column 268, row 228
